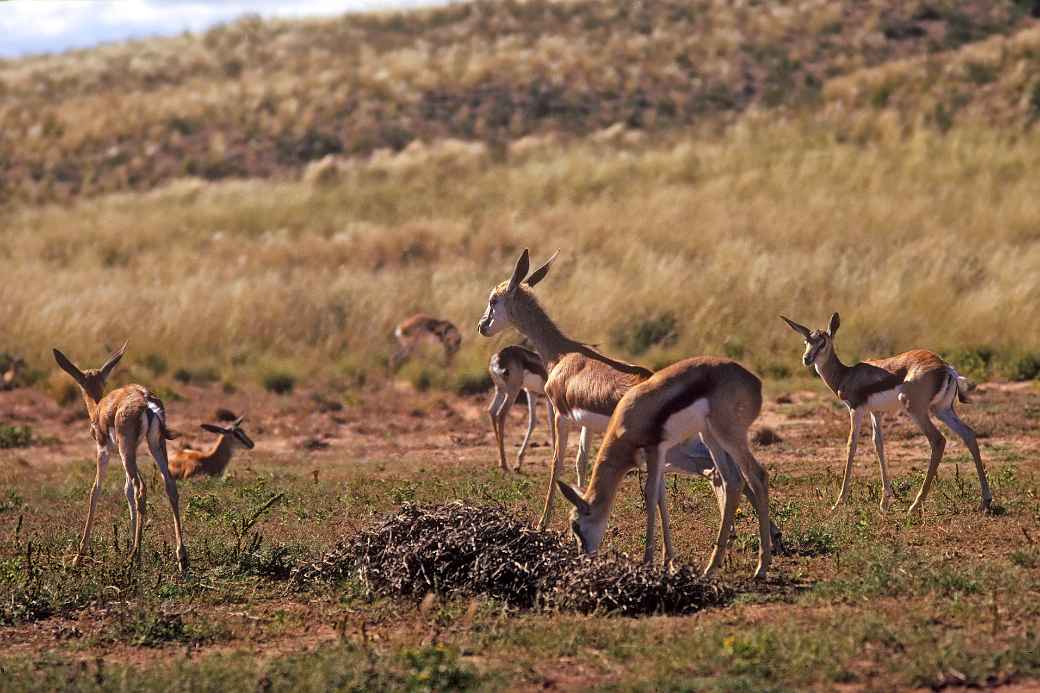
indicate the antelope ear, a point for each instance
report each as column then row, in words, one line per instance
column 110, row 365
column 835, row 324
column 539, row 274
column 800, row 329
column 523, row 264
column 238, row 422
column 68, row 366
column 574, row 496
column 213, row 428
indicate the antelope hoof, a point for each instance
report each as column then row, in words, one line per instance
column 182, row 560
column 986, row 506
column 837, row 504
column 915, row 509
column 886, row 503
column 77, row 561
column 760, row 572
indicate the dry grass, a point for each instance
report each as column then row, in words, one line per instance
column 926, row 240
column 261, row 99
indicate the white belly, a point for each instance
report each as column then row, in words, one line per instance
column 887, row 400
column 590, row 420
column 534, row 383
column 686, row 422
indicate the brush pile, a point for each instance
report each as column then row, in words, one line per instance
column 459, row 549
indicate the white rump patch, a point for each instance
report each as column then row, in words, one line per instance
column 157, row 410
column 887, row 400
column 590, row 420
column 687, row 422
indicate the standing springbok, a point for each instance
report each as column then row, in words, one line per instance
column 714, row 398
column 585, row 386
column 918, row 381
column 119, row 420
column 513, row 369
column 414, row 331
column 185, row 464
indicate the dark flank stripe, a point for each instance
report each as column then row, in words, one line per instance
column 532, row 362
column 860, row 397
column 690, row 393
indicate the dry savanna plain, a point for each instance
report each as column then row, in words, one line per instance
column 255, row 207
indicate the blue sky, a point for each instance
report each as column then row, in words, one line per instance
column 49, row 26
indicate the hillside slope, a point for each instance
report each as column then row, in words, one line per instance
column 260, row 99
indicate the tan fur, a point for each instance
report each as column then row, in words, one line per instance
column 120, row 420
column 924, row 384
column 411, row 332
column 733, row 399
column 185, row 464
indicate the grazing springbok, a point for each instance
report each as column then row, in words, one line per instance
column 917, row 381
column 414, row 331
column 715, row 399
column 120, row 420
column 186, row 463
column 513, row 369
column 584, row 386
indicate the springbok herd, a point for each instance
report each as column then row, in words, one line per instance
column 692, row 417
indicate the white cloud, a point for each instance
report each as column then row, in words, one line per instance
column 38, row 26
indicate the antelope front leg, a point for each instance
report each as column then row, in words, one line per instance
column 530, row 428
column 855, row 422
column 581, row 462
column 559, row 449
column 498, row 403
column 887, row 495
column 95, row 491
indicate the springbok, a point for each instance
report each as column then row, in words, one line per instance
column 414, row 331
column 513, row 369
column 11, row 374
column 119, row 420
column 186, row 463
column 918, row 381
column 585, row 386
column 714, row 398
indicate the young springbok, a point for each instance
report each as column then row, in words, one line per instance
column 185, row 464
column 918, row 381
column 120, row 420
column 513, row 369
column 714, row 398
column 414, row 331
column 584, row 386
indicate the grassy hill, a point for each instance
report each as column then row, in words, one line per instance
column 259, row 99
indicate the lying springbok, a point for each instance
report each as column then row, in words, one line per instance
column 414, row 331
column 584, row 386
column 120, row 420
column 186, row 463
column 513, row 369
column 714, row 398
column 918, row 381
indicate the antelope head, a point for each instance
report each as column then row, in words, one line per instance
column 234, row 432
column 586, row 529
column 819, row 344
column 499, row 313
column 91, row 381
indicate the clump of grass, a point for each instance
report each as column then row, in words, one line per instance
column 280, row 382
column 15, row 436
column 638, row 337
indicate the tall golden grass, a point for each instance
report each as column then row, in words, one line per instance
column 924, row 240
column 261, row 99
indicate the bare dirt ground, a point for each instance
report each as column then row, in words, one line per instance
column 945, row 601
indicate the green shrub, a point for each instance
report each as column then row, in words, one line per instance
column 15, row 436
column 1025, row 367
column 638, row 337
